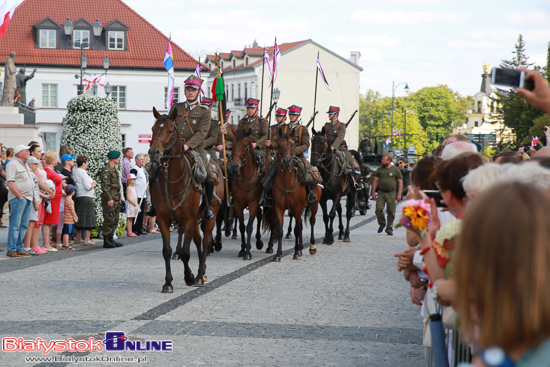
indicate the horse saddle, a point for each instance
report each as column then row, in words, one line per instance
column 217, row 175
column 316, row 175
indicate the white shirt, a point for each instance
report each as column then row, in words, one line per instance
column 141, row 181
column 83, row 183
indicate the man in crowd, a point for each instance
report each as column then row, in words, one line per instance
column 141, row 192
column 126, row 167
column 389, row 182
column 21, row 193
column 193, row 123
column 110, row 199
column 365, row 147
column 212, row 137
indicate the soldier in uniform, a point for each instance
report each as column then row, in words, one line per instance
column 193, row 122
column 110, row 199
column 336, row 133
column 212, row 137
column 365, row 146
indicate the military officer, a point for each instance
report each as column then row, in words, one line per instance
column 273, row 142
column 193, row 122
column 212, row 137
column 110, row 199
column 336, row 133
column 365, row 147
column 252, row 121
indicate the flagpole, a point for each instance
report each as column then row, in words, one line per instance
column 262, row 93
column 315, row 98
column 272, row 82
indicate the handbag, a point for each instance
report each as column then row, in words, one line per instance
column 123, row 207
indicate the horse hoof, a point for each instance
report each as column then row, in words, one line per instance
column 276, row 259
column 234, row 237
column 204, row 277
column 190, row 281
column 312, row 251
column 227, row 234
column 296, row 257
column 300, row 253
column 330, row 242
column 241, row 253
column 167, row 289
column 288, row 236
column 218, row 247
column 199, row 282
column 176, row 256
column 259, row 245
column 340, row 237
column 247, row 257
column 346, row 239
column 269, row 250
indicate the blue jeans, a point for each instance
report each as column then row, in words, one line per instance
column 19, row 222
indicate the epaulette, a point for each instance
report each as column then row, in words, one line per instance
column 204, row 107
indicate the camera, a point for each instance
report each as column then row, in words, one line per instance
column 436, row 195
column 511, row 78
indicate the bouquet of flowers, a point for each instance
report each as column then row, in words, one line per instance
column 416, row 215
column 444, row 244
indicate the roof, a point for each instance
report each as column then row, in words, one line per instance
column 146, row 44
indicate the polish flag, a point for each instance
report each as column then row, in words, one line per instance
column 6, row 13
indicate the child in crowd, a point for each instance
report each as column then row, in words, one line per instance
column 47, row 202
column 69, row 216
column 132, row 207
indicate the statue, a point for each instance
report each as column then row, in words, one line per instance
column 9, row 81
column 486, row 67
column 22, row 83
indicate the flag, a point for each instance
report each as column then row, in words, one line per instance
column 266, row 60
column 98, row 79
column 6, row 13
column 198, row 70
column 219, row 89
column 535, row 141
column 396, row 132
column 322, row 73
column 169, row 66
column 388, row 141
column 276, row 57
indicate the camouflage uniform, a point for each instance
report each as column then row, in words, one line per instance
column 110, row 185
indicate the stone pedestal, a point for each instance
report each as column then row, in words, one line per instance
column 11, row 115
column 13, row 131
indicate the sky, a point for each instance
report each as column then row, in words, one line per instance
column 420, row 42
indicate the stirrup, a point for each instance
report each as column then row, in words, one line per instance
column 208, row 213
column 311, row 198
column 358, row 186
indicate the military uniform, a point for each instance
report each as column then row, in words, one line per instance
column 212, row 140
column 365, row 147
column 336, row 133
column 258, row 126
column 111, row 186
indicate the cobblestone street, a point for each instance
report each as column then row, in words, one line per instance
column 344, row 306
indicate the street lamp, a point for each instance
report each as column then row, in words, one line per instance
column 276, row 94
column 394, row 87
column 405, row 135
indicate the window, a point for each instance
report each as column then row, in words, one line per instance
column 239, row 90
column 49, row 95
column 50, row 142
column 119, row 96
column 1, row 90
column 246, row 61
column 116, row 40
column 477, row 124
column 233, row 62
column 232, row 121
column 245, row 91
column 81, row 37
column 47, row 38
column 232, row 92
column 123, row 140
column 176, row 97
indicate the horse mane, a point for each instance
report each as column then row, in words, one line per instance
column 241, row 135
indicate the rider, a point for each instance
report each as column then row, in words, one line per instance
column 193, row 122
column 336, row 133
column 212, row 136
column 273, row 145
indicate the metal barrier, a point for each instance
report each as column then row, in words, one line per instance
column 457, row 350
column 28, row 112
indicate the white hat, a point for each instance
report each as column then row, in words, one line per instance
column 32, row 159
column 131, row 176
column 19, row 148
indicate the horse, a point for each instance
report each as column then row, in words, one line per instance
column 335, row 184
column 246, row 189
column 289, row 193
column 174, row 198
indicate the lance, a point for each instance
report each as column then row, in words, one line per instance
column 315, row 98
column 262, row 92
column 223, row 122
column 271, row 108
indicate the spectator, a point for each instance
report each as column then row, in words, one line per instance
column 9, row 156
column 132, row 206
column 21, row 192
column 68, row 167
column 150, row 217
column 455, row 148
column 33, row 163
column 64, row 149
column 31, row 104
column 508, row 156
column 141, row 191
column 36, row 151
column 511, row 306
column 3, row 190
column 126, row 167
column 390, row 184
column 50, row 159
column 84, row 202
column 70, row 217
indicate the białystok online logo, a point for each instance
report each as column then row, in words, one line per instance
column 115, row 341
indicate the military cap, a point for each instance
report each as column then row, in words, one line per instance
column 252, row 102
column 294, row 110
column 280, row 112
column 333, row 109
column 193, row 82
column 113, row 154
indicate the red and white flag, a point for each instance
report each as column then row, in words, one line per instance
column 535, row 141
column 396, row 132
column 276, row 57
column 6, row 13
column 266, row 60
column 95, row 78
column 322, row 73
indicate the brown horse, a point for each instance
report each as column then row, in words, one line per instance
column 289, row 193
column 174, row 198
column 246, row 189
column 336, row 185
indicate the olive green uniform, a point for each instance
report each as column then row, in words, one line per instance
column 336, row 133
column 258, row 127
column 193, row 122
column 110, row 186
column 365, row 147
column 387, row 194
column 212, row 140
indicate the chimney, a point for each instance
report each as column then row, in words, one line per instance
column 354, row 57
column 255, row 44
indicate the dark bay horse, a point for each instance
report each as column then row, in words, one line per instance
column 246, row 189
column 336, row 185
column 174, row 197
column 289, row 193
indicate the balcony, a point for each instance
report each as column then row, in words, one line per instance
column 28, row 112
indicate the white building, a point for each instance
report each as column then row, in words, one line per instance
column 134, row 47
column 296, row 71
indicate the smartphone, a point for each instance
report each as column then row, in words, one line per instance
column 511, row 78
column 435, row 194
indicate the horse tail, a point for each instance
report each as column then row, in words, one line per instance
column 307, row 215
column 268, row 219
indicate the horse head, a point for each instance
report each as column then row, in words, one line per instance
column 165, row 136
column 319, row 146
column 287, row 149
column 242, row 151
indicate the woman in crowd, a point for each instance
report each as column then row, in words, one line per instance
column 84, row 201
column 9, row 156
column 149, row 217
column 502, row 287
column 50, row 159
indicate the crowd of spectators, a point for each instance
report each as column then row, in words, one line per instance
column 485, row 255
column 53, row 195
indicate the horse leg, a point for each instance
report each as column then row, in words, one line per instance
column 190, row 226
column 177, row 253
column 332, row 215
column 325, row 220
column 249, row 229
column 234, row 236
column 269, row 249
column 241, row 229
column 166, row 253
column 279, row 235
column 312, row 248
column 259, row 242
column 218, row 240
column 203, row 251
column 340, row 224
column 350, row 204
column 289, row 231
column 298, row 245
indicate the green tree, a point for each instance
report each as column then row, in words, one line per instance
column 369, row 106
column 538, row 129
column 92, row 129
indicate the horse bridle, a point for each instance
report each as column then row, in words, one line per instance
column 245, row 159
column 170, row 145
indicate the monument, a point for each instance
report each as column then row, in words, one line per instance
column 10, row 81
column 22, row 84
